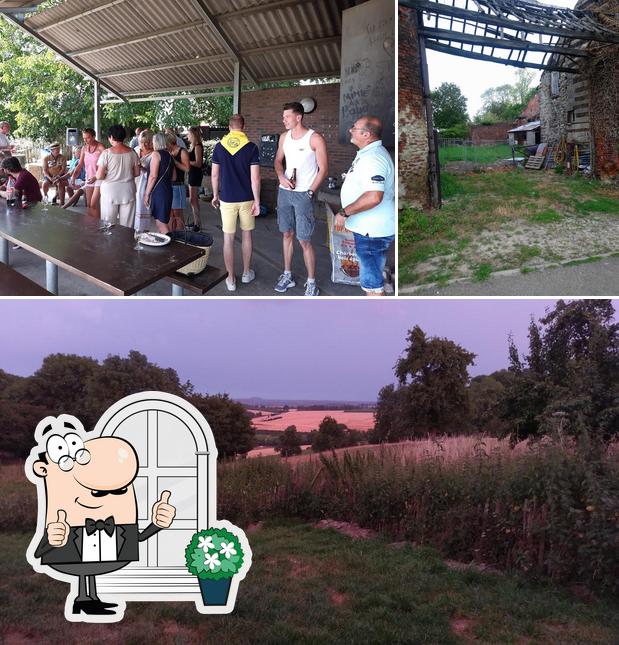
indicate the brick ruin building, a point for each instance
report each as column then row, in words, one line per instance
column 579, row 91
column 584, row 108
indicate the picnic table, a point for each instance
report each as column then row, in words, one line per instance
column 76, row 243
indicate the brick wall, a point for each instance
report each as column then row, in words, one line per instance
column 490, row 133
column 263, row 115
column 413, row 186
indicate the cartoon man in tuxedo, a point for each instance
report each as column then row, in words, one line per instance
column 87, row 523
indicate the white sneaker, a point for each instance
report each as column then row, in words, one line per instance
column 311, row 289
column 248, row 277
column 231, row 284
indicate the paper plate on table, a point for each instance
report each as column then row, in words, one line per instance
column 155, row 239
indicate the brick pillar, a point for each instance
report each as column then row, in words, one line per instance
column 413, row 183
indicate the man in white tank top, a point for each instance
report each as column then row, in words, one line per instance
column 305, row 152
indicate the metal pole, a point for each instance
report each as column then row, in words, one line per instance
column 97, row 109
column 236, row 97
column 51, row 277
column 4, row 251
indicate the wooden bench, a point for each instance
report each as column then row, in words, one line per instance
column 199, row 284
column 13, row 283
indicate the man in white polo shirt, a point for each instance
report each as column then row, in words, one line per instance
column 368, row 203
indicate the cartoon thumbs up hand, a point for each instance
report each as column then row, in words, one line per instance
column 58, row 532
column 163, row 512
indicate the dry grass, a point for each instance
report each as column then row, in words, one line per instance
column 448, row 448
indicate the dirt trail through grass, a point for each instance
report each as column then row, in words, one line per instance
column 505, row 220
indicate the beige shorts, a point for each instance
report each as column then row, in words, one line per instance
column 231, row 210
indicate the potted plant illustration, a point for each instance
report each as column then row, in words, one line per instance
column 214, row 555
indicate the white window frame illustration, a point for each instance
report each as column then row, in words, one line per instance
column 138, row 582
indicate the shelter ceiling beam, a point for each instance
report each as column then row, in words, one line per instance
column 332, row 73
column 82, row 14
column 305, row 43
column 476, row 17
column 171, row 65
column 498, row 43
column 71, row 63
column 446, row 49
column 135, row 39
column 184, row 88
column 261, row 8
column 213, row 23
column 171, row 97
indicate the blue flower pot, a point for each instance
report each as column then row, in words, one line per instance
column 215, row 592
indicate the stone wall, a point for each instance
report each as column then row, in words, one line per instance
column 604, row 83
column 413, row 186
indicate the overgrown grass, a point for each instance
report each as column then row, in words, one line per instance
column 311, row 585
column 476, row 154
column 480, row 207
column 550, row 513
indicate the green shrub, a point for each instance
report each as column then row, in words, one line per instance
column 552, row 512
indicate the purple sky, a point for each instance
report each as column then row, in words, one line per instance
column 336, row 349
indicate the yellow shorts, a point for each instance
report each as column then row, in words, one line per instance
column 231, row 210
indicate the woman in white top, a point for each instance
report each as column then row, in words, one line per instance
column 117, row 168
column 144, row 151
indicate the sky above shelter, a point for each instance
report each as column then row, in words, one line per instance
column 333, row 350
column 474, row 77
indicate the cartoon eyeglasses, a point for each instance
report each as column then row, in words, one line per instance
column 67, row 450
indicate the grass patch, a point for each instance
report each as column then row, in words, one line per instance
column 474, row 154
column 526, row 253
column 546, row 216
column 309, row 585
column 598, row 205
column 503, row 216
column 593, row 258
column 482, row 272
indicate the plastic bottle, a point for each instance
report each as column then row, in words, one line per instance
column 10, row 196
column 24, row 199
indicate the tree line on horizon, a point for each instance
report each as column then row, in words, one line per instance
column 84, row 387
column 567, row 384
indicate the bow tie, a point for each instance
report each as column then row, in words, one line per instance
column 107, row 525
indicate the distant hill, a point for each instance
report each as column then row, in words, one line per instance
column 322, row 404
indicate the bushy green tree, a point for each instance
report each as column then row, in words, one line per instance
column 448, row 106
column 569, row 380
column 231, row 424
column 289, row 442
column 330, row 435
column 432, row 394
column 506, row 102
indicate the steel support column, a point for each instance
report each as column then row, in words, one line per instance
column 236, row 97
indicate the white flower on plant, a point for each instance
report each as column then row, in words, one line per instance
column 206, row 543
column 228, row 549
column 211, row 561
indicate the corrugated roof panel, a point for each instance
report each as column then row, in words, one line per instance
column 278, row 27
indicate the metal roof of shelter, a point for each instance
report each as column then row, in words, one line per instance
column 532, row 125
column 144, row 47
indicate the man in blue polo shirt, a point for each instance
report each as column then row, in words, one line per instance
column 368, row 203
column 235, row 177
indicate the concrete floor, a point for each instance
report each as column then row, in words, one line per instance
column 267, row 263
